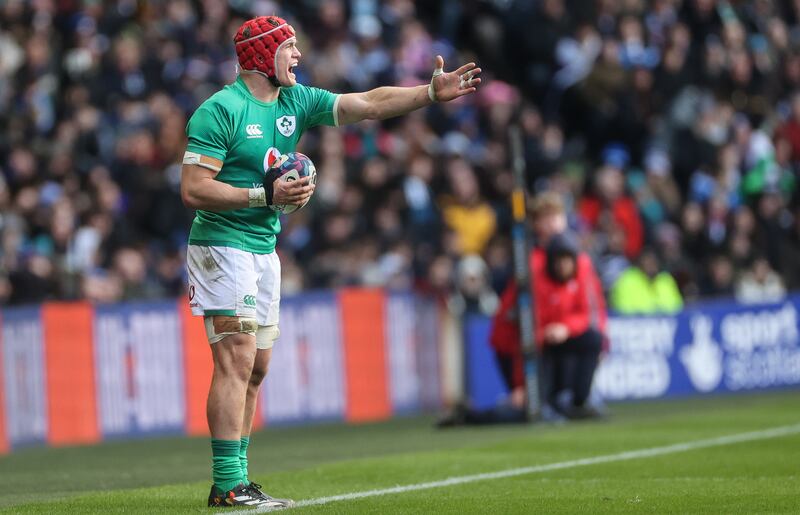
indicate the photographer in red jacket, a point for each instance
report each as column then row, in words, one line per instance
column 570, row 318
column 570, row 321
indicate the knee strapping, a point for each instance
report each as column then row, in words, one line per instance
column 218, row 327
column 266, row 336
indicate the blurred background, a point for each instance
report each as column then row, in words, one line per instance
column 670, row 128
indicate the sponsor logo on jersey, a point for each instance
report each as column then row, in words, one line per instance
column 286, row 125
column 253, row 130
column 250, row 300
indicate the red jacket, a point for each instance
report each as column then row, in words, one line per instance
column 578, row 304
column 625, row 213
column 790, row 131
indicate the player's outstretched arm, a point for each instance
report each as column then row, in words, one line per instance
column 199, row 190
column 386, row 102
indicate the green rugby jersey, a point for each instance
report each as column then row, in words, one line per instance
column 247, row 135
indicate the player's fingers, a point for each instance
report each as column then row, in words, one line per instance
column 297, row 183
column 469, row 78
column 297, row 186
column 305, row 191
column 462, row 92
column 465, row 68
column 299, row 199
column 439, row 61
column 469, row 82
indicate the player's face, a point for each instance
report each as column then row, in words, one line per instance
column 287, row 58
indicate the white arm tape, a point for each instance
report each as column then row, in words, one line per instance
column 257, row 197
column 431, row 92
column 193, row 158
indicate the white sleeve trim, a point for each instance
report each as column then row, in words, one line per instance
column 336, row 110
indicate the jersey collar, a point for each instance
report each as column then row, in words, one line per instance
column 241, row 86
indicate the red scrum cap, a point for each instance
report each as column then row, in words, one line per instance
column 257, row 42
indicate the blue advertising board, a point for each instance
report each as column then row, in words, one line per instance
column 714, row 347
column 139, row 369
column 24, row 376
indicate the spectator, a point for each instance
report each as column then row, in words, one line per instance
column 474, row 294
column 465, row 212
column 547, row 217
column 702, row 96
column 760, row 284
column 790, row 255
column 719, row 280
column 645, row 289
column 790, row 129
column 34, row 282
column 609, row 203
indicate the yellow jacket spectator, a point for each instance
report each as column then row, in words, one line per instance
column 474, row 225
column 470, row 217
column 644, row 290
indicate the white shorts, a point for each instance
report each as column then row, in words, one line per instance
column 232, row 282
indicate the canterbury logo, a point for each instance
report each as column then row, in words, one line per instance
column 249, row 300
column 254, row 130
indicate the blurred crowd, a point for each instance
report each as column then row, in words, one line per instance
column 670, row 128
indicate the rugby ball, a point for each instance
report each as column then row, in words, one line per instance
column 294, row 167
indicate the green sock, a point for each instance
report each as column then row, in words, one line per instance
column 225, row 469
column 244, row 442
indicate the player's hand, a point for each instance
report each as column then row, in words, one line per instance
column 450, row 85
column 292, row 192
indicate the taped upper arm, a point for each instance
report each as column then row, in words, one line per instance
column 197, row 159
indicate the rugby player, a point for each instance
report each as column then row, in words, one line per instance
column 234, row 139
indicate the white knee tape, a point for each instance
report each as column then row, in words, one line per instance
column 266, row 336
column 218, row 327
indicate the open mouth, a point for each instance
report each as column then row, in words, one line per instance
column 290, row 71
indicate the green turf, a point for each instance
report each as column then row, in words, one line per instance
column 168, row 475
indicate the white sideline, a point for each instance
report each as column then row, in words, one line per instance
column 607, row 458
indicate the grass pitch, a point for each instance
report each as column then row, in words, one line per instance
column 171, row 475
